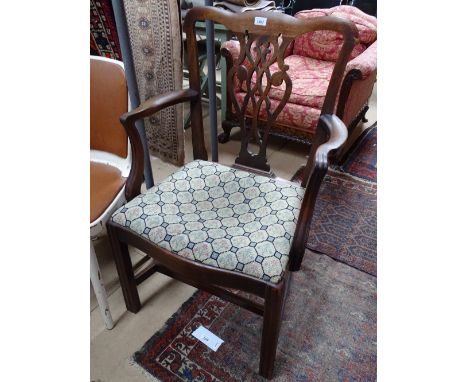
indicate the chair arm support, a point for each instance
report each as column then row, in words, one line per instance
column 147, row 108
column 332, row 134
column 365, row 63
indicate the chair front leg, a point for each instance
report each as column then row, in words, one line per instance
column 125, row 271
column 100, row 291
column 271, row 326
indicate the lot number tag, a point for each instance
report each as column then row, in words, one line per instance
column 260, row 21
column 208, row 338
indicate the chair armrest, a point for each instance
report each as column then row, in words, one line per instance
column 331, row 135
column 365, row 63
column 154, row 104
column 147, row 108
column 338, row 133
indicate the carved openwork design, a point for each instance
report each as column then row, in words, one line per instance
column 252, row 72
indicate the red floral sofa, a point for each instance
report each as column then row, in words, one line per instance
column 311, row 60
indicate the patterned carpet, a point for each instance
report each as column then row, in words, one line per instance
column 329, row 332
column 345, row 218
column 362, row 161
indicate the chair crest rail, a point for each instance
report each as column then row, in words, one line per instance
column 260, row 67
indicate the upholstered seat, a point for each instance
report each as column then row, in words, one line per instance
column 105, row 183
column 219, row 216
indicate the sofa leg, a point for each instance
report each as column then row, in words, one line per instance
column 341, row 156
column 364, row 119
column 225, row 135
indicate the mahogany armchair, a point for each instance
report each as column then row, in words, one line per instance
column 311, row 58
column 239, row 228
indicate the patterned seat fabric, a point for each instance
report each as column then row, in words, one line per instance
column 221, row 217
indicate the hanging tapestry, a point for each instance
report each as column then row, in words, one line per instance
column 155, row 35
column 104, row 38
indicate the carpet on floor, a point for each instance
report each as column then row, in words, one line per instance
column 328, row 332
column 344, row 225
column 362, row 160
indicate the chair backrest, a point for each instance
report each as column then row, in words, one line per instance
column 109, row 100
column 263, row 37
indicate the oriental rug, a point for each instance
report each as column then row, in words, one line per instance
column 103, row 31
column 328, row 332
column 362, row 160
column 155, row 35
column 344, row 225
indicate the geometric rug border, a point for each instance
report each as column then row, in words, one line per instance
column 135, row 361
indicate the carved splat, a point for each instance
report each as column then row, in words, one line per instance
column 257, row 54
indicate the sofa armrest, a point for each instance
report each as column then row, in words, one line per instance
column 365, row 63
column 232, row 47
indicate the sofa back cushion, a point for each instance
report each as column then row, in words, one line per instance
column 326, row 45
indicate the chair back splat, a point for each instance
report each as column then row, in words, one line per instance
column 264, row 38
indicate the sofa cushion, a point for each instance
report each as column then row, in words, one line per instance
column 310, row 78
column 303, row 117
column 221, row 217
column 326, row 45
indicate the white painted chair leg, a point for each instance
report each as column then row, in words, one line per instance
column 100, row 291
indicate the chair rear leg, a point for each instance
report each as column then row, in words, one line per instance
column 100, row 291
column 271, row 327
column 125, row 271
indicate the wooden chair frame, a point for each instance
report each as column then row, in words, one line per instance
column 331, row 134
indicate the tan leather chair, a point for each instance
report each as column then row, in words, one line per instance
column 110, row 160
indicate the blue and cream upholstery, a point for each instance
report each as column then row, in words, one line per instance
column 219, row 216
